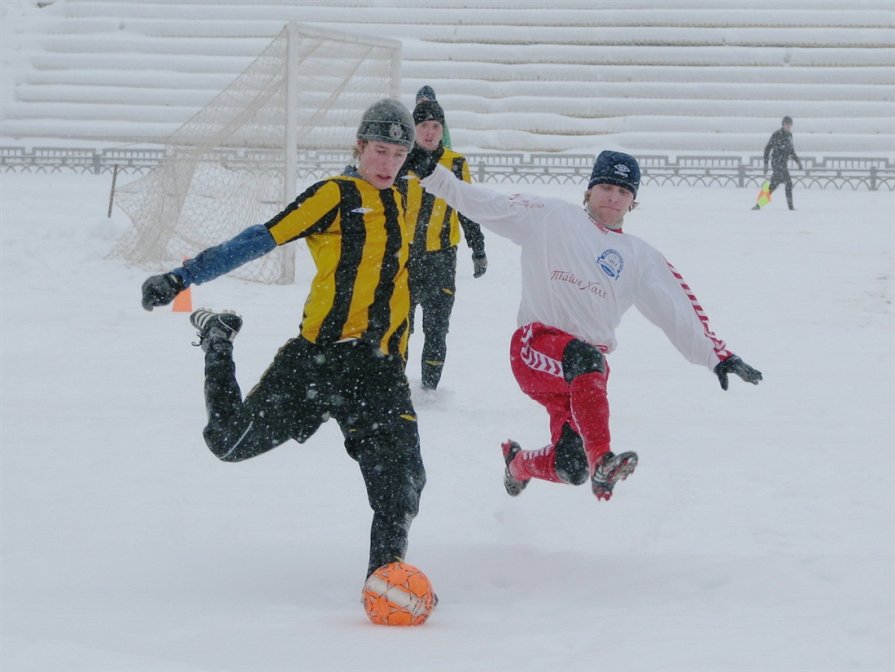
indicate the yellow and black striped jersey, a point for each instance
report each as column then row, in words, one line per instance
column 434, row 225
column 358, row 237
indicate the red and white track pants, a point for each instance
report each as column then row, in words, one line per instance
column 536, row 355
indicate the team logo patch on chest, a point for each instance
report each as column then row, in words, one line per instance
column 611, row 263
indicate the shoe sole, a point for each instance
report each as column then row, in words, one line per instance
column 226, row 323
column 624, row 469
column 513, row 485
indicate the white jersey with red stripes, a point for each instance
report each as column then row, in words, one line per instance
column 579, row 276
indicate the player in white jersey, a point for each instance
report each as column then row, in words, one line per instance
column 580, row 273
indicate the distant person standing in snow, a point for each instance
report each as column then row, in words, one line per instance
column 779, row 150
column 427, row 93
column 348, row 360
column 435, row 233
column 580, row 273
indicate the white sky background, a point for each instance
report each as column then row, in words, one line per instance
column 757, row 533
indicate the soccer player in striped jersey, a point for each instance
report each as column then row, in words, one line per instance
column 435, row 233
column 348, row 359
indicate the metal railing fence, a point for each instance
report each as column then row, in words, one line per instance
column 842, row 173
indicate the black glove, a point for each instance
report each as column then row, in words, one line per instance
column 421, row 161
column 160, row 290
column 479, row 264
column 734, row 364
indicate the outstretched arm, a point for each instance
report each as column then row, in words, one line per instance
column 491, row 209
column 247, row 246
column 666, row 299
column 254, row 242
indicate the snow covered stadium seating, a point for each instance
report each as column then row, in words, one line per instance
column 568, row 75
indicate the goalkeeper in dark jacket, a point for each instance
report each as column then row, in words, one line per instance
column 348, row 359
column 779, row 150
column 435, row 228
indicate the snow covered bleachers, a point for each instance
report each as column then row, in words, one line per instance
column 680, row 76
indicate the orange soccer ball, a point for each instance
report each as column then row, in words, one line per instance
column 398, row 594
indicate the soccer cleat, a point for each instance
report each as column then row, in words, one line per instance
column 513, row 485
column 215, row 327
column 610, row 470
column 756, row 207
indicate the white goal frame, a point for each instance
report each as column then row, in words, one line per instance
column 314, row 88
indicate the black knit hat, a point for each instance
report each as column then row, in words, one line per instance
column 426, row 110
column 387, row 121
column 425, row 93
column 787, row 120
column 616, row 168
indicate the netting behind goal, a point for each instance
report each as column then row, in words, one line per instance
column 234, row 163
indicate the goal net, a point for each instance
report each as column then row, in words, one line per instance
column 234, row 163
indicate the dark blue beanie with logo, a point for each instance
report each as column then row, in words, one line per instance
column 616, row 168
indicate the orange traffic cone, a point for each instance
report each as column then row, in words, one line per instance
column 183, row 302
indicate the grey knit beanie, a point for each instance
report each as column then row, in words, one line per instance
column 387, row 121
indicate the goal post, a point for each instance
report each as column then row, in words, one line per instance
column 234, row 163
column 389, row 48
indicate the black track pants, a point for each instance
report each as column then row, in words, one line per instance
column 781, row 176
column 365, row 391
column 433, row 287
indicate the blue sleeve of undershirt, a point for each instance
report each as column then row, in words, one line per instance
column 252, row 243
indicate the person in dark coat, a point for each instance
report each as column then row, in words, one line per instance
column 435, row 233
column 779, row 150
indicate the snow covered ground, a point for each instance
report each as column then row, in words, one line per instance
column 756, row 535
